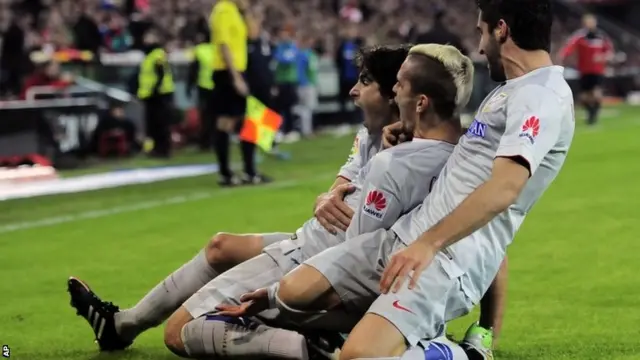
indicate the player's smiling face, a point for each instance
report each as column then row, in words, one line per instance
column 366, row 95
column 490, row 48
column 406, row 100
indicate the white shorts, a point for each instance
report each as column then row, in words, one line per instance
column 251, row 275
column 259, row 272
column 354, row 269
column 272, row 238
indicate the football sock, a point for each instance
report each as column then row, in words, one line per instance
column 221, row 147
column 414, row 353
column 248, row 156
column 596, row 112
column 165, row 298
column 593, row 110
column 219, row 336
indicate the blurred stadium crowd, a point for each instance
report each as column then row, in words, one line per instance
column 119, row 25
column 84, row 36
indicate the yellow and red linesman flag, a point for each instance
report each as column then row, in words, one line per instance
column 260, row 124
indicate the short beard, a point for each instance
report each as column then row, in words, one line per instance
column 496, row 68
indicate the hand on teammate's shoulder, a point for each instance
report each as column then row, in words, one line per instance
column 393, row 135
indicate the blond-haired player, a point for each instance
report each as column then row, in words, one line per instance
column 432, row 84
column 451, row 246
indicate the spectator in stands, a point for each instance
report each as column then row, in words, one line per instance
column 48, row 73
column 440, row 34
column 56, row 33
column 286, row 78
column 155, row 88
column 114, row 122
column 308, row 81
column 195, row 24
column 115, row 34
column 347, row 70
column 351, row 12
column 86, row 31
column 259, row 70
column 14, row 56
column 141, row 22
column 200, row 76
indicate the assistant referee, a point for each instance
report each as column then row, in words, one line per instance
column 229, row 37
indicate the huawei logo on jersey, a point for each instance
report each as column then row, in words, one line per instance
column 531, row 128
column 375, row 204
column 376, row 199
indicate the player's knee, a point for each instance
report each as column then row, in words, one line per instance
column 288, row 293
column 173, row 339
column 173, row 332
column 218, row 248
column 354, row 350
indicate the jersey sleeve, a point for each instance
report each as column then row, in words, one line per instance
column 534, row 120
column 380, row 204
column 571, row 46
column 352, row 166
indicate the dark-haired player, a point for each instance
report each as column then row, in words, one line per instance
column 452, row 246
column 391, row 184
column 594, row 49
column 115, row 329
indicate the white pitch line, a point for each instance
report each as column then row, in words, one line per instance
column 146, row 205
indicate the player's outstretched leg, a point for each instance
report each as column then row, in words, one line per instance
column 223, row 252
column 99, row 314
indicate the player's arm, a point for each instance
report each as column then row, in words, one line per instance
column 569, row 48
column 609, row 49
column 380, row 203
column 347, row 172
column 339, row 182
column 329, row 208
column 517, row 158
column 352, row 166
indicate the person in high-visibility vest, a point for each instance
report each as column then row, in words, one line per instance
column 201, row 77
column 155, row 90
column 229, row 36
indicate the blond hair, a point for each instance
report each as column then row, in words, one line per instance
column 460, row 68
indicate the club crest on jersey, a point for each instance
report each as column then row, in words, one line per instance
column 477, row 128
column 494, row 103
column 530, row 129
column 354, row 149
column 375, row 204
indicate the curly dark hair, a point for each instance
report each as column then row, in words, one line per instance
column 529, row 21
column 382, row 63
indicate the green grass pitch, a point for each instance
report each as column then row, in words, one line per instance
column 574, row 287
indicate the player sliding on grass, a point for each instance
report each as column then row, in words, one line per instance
column 391, row 184
column 152, row 310
column 437, row 261
column 373, row 94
